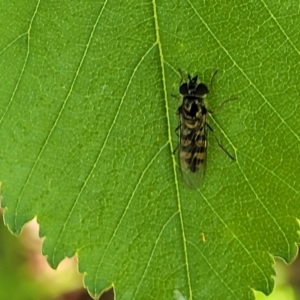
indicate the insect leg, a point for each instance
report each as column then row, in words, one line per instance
column 180, row 71
column 212, row 78
column 175, row 96
column 226, row 101
column 234, row 98
column 174, row 151
column 219, row 144
column 176, row 131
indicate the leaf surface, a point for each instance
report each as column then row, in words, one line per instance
column 87, row 122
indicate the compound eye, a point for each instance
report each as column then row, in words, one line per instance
column 183, row 90
column 201, row 90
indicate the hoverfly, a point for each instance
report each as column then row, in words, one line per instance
column 192, row 129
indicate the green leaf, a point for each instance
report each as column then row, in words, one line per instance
column 87, row 126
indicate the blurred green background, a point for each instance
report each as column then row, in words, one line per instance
column 26, row 275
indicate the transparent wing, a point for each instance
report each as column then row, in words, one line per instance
column 193, row 179
column 192, row 158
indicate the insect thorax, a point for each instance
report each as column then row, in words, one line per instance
column 192, row 108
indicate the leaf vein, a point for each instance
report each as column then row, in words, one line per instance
column 102, row 148
column 235, row 236
column 152, row 252
column 213, row 269
column 171, row 145
column 126, row 210
column 244, row 74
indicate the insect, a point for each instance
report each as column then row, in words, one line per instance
column 193, row 129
